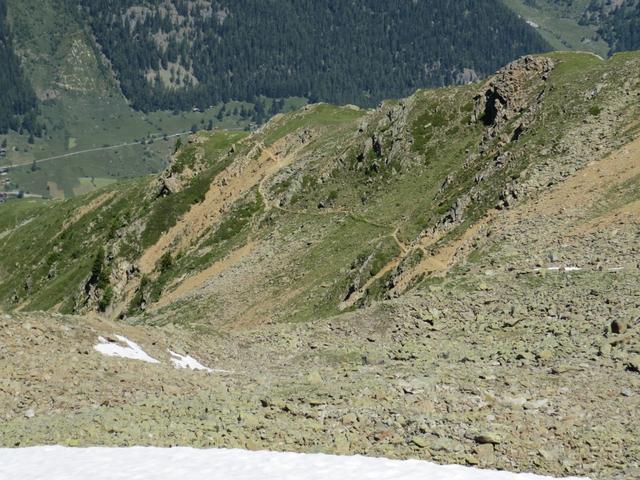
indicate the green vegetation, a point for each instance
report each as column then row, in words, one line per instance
column 18, row 100
column 315, row 115
column 238, row 52
column 620, row 24
column 82, row 108
column 334, row 219
column 600, row 26
column 559, row 23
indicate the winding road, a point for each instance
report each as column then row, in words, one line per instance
column 98, row 149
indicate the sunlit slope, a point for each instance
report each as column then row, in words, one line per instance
column 324, row 209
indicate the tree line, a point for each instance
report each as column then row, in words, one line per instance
column 183, row 54
column 18, row 102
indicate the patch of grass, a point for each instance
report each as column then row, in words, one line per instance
column 595, row 110
column 237, row 220
column 559, row 24
column 316, row 115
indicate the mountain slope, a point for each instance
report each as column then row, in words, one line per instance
column 600, row 26
column 323, row 209
column 179, row 54
column 81, row 107
column 194, row 64
column 452, row 277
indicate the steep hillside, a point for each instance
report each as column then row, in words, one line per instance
column 18, row 99
column 601, row 26
column 178, row 53
column 323, row 209
column 87, row 133
column 452, row 276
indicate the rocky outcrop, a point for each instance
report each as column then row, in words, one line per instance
column 509, row 93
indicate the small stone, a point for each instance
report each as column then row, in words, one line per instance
column 314, row 378
column 30, row 413
column 349, row 419
column 248, row 420
column 545, row 355
column 471, row 460
column 252, row 445
column 563, row 369
column 634, row 363
column 618, row 326
column 513, row 402
column 605, row 349
column 547, row 455
column 485, row 453
column 342, row 445
column 488, row 437
column 536, row 404
column 419, row 442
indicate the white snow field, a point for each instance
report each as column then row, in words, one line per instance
column 132, row 350
column 148, row 463
column 185, row 361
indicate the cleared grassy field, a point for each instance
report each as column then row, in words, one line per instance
column 559, row 26
column 82, row 108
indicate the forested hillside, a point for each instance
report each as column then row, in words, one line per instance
column 601, row 26
column 17, row 101
column 619, row 23
column 179, row 53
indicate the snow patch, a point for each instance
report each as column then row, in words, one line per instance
column 558, row 269
column 132, row 350
column 147, row 463
column 185, row 361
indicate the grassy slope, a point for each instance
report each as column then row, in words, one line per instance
column 559, row 26
column 84, row 109
column 317, row 253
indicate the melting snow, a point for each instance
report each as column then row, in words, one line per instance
column 132, row 349
column 185, row 361
column 557, row 269
column 145, row 463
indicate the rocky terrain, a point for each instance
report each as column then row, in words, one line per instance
column 451, row 276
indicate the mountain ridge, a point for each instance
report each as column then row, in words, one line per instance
column 225, row 189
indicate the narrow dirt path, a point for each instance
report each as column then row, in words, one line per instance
column 192, row 283
column 570, row 200
column 403, row 248
column 357, row 295
column 442, row 260
column 438, row 262
column 226, row 188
